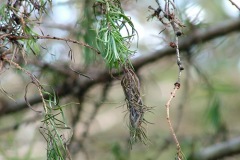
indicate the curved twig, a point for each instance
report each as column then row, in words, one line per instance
column 173, row 94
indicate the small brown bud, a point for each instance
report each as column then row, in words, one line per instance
column 172, row 44
column 177, row 84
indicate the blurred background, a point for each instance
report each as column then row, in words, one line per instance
column 204, row 113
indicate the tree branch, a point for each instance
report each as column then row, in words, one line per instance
column 13, row 37
column 219, row 150
column 234, row 4
column 198, row 36
column 82, row 85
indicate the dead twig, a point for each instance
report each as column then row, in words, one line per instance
column 170, row 19
column 35, row 81
column 14, row 38
column 167, row 18
column 179, row 62
column 173, row 94
column 235, row 4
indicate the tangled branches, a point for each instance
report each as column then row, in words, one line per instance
column 17, row 19
column 168, row 17
column 16, row 37
column 54, row 119
column 16, row 26
column 16, row 16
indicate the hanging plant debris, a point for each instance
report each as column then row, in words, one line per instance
column 115, row 49
column 131, row 87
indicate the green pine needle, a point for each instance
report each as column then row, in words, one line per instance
column 113, row 45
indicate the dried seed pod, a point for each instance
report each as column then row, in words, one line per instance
column 172, row 44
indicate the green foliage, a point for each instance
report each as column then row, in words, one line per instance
column 119, row 152
column 87, row 31
column 214, row 113
column 19, row 24
column 113, row 45
column 137, row 135
column 15, row 22
column 222, row 87
column 31, row 45
column 53, row 124
column 14, row 155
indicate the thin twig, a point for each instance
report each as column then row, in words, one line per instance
column 79, row 73
column 179, row 63
column 183, row 101
column 34, row 81
column 175, row 25
column 170, row 17
column 13, row 37
column 173, row 94
column 235, row 4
